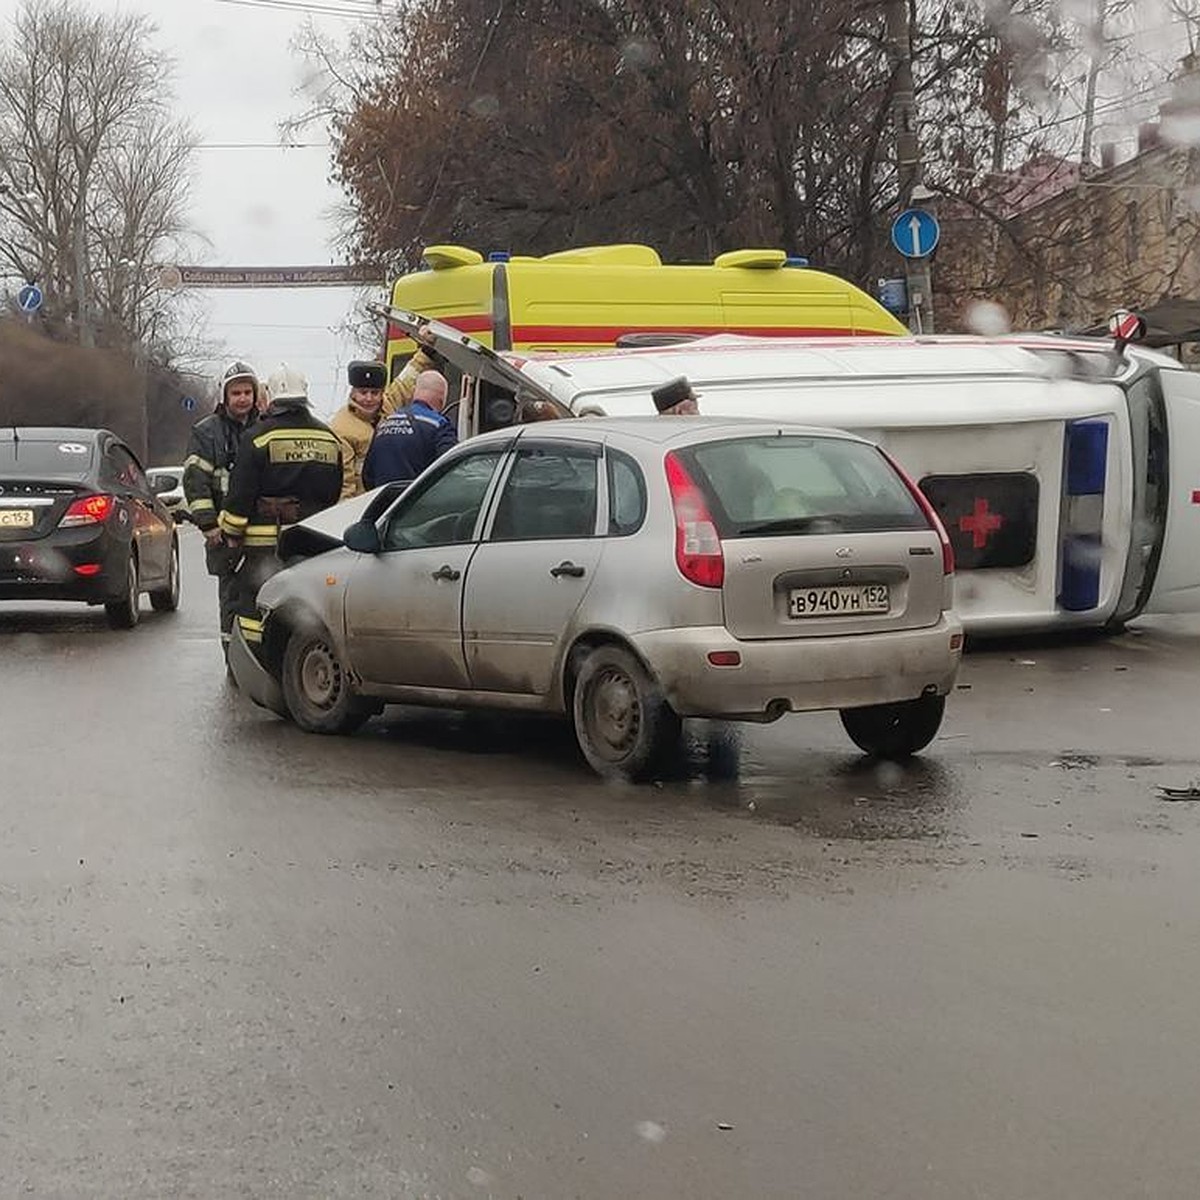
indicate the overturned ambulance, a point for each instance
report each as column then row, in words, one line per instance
column 1066, row 471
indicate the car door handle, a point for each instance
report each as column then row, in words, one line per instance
column 568, row 568
column 447, row 572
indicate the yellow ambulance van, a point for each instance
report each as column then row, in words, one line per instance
column 598, row 296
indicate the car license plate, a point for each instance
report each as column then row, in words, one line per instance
column 858, row 600
column 16, row 518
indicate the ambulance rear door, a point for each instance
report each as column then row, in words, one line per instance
column 488, row 401
column 1177, row 580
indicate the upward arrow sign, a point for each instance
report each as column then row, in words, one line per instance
column 915, row 233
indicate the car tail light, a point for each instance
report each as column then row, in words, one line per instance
column 89, row 510
column 698, row 552
column 88, row 570
column 931, row 514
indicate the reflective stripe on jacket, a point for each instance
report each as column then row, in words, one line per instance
column 290, row 461
column 211, row 452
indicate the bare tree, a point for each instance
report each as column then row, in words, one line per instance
column 93, row 171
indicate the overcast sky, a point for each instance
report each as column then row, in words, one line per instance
column 236, row 78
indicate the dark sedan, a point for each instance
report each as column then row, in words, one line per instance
column 80, row 521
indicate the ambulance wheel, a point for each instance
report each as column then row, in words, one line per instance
column 316, row 686
column 895, row 731
column 623, row 723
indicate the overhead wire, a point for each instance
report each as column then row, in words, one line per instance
column 341, row 8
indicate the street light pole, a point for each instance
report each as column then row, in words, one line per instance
column 908, row 159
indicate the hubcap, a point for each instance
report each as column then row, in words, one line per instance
column 616, row 715
column 320, row 676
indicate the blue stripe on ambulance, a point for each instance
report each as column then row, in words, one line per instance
column 1085, row 476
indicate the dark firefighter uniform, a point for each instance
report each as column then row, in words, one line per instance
column 212, row 450
column 289, row 467
column 405, row 443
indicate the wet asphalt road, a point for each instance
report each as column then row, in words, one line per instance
column 440, row 959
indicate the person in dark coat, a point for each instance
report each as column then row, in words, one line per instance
column 211, row 452
column 289, row 467
column 676, row 399
column 412, row 437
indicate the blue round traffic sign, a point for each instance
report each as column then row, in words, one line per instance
column 915, row 233
column 29, row 298
column 187, row 403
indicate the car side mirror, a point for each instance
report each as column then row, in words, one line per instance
column 163, row 483
column 363, row 538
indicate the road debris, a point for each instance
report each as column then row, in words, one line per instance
column 1183, row 793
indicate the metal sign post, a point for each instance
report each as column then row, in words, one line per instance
column 915, row 235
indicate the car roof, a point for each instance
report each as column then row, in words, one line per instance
column 51, row 433
column 659, row 430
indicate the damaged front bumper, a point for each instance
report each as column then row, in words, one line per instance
column 252, row 677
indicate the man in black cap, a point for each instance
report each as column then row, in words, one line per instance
column 676, row 399
column 355, row 423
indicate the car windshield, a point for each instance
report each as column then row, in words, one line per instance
column 44, row 459
column 786, row 485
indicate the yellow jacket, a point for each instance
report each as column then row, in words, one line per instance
column 355, row 434
column 399, row 392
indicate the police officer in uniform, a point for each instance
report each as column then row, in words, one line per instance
column 676, row 398
column 289, row 466
column 212, row 450
column 355, row 422
column 412, row 437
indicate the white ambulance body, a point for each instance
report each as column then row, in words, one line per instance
column 1068, row 476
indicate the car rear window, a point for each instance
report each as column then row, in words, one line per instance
column 44, row 459
column 787, row 485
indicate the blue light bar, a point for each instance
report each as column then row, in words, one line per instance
column 498, row 256
column 1080, row 588
column 1087, row 457
column 795, row 260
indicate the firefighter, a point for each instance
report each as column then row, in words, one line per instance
column 289, row 466
column 212, row 449
column 355, row 422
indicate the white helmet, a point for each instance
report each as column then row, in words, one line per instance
column 236, row 370
column 286, row 383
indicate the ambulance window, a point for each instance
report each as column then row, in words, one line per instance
column 626, row 495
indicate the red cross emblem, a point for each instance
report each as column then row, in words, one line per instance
column 981, row 523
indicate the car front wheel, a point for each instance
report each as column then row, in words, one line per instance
column 623, row 723
column 895, row 731
column 123, row 613
column 316, row 686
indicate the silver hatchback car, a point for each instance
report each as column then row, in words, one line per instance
column 626, row 573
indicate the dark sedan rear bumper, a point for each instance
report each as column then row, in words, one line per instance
column 45, row 569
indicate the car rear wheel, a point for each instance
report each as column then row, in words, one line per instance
column 895, row 731
column 123, row 613
column 623, row 723
column 167, row 600
column 316, row 686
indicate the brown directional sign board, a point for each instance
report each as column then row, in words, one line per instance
column 277, row 277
